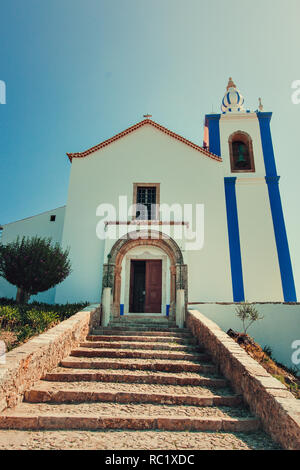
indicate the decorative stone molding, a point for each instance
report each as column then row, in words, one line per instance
column 112, row 270
column 146, row 237
column 29, row 362
column 266, row 396
column 108, row 275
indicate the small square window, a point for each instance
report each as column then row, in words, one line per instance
column 52, row 218
column 146, row 198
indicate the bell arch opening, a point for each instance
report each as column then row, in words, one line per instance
column 241, row 152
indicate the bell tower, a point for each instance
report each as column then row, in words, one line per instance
column 261, row 266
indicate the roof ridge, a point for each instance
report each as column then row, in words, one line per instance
column 132, row 128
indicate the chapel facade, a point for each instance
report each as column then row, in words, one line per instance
column 151, row 214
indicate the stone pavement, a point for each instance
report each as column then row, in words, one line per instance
column 142, row 387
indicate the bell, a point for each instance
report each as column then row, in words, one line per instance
column 241, row 161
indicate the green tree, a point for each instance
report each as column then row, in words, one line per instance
column 33, row 265
column 248, row 314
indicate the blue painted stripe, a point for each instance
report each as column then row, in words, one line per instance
column 285, row 264
column 167, row 310
column 234, row 240
column 266, row 141
column 121, row 309
column 272, row 179
column 212, row 121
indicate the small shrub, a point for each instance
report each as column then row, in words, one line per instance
column 248, row 314
column 27, row 320
column 268, row 351
column 280, row 378
column 294, row 370
column 24, row 333
column 41, row 320
column 10, row 317
column 6, row 301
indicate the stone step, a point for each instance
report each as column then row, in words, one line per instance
column 179, row 333
column 144, row 339
column 137, row 364
column 139, row 353
column 148, row 327
column 134, row 327
column 61, row 374
column 78, row 392
column 143, row 319
column 117, row 440
column 93, row 416
column 154, row 346
column 145, row 324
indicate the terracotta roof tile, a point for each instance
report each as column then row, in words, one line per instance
column 137, row 126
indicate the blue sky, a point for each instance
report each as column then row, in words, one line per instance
column 79, row 71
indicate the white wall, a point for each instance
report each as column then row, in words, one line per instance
column 279, row 328
column 260, row 265
column 185, row 176
column 261, row 273
column 37, row 225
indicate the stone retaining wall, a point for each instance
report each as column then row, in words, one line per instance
column 279, row 328
column 27, row 363
column 266, row 396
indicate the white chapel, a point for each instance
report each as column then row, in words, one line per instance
column 150, row 213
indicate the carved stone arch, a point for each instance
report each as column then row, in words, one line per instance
column 112, row 269
column 152, row 237
column 244, row 137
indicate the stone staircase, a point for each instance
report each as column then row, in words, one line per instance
column 135, row 374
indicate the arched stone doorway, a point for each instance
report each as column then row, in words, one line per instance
column 112, row 269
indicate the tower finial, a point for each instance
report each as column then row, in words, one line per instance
column 233, row 100
column 231, row 83
column 260, row 106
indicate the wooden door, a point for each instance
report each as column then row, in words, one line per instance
column 137, row 287
column 153, row 286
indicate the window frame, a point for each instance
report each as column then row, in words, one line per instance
column 146, row 185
